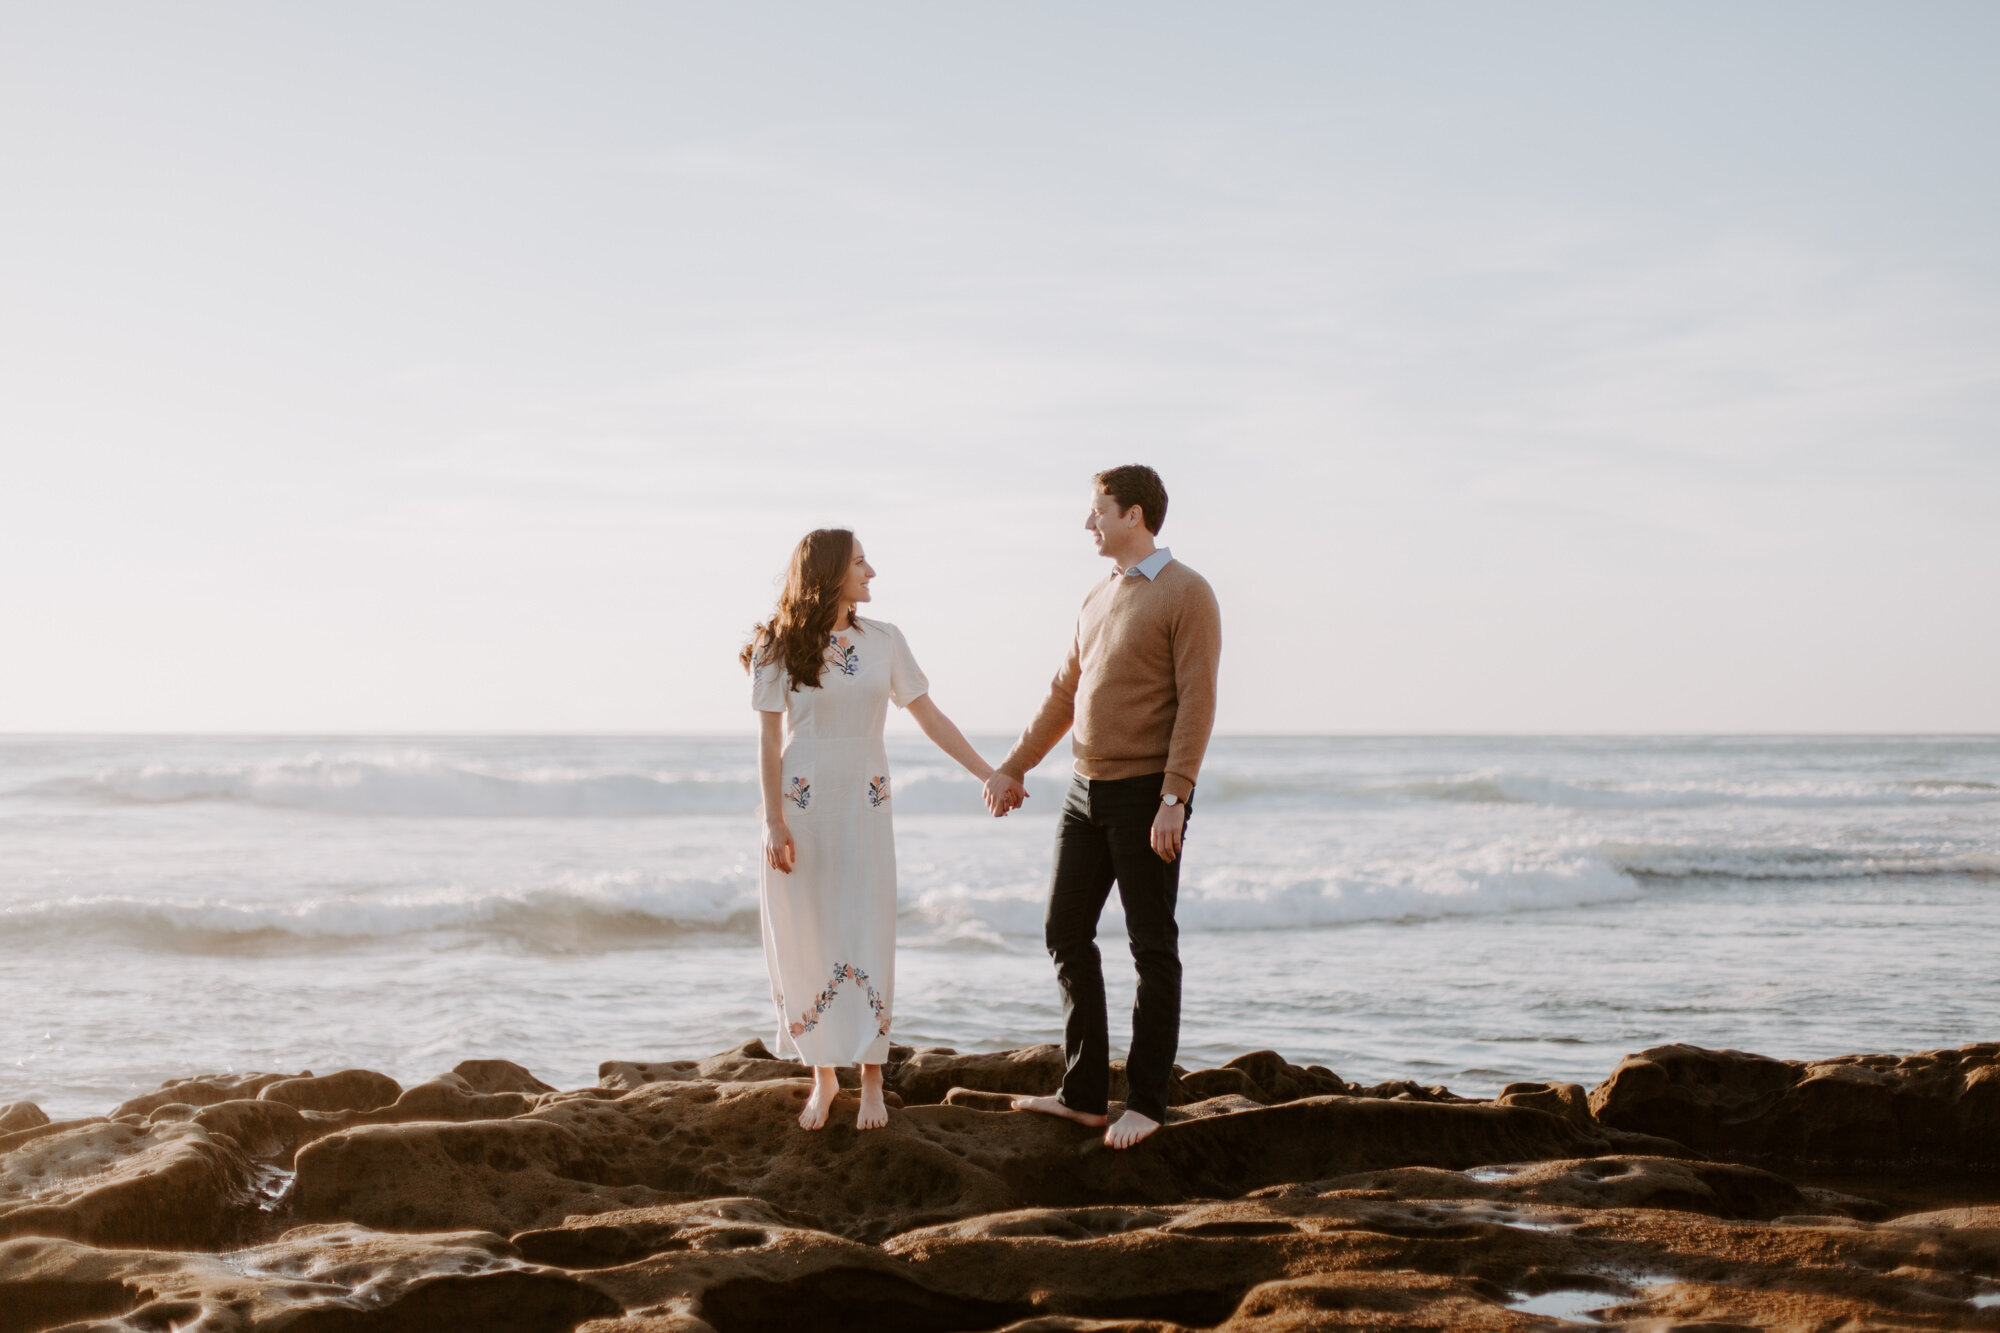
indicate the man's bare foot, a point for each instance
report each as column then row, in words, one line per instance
column 1054, row 1106
column 874, row 1114
column 826, row 1086
column 1129, row 1129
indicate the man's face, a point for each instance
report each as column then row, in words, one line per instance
column 1107, row 525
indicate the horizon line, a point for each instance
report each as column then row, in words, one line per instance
column 747, row 733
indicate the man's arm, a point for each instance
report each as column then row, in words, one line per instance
column 1197, row 654
column 1007, row 788
column 1052, row 719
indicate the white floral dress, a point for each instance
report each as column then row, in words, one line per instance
column 830, row 926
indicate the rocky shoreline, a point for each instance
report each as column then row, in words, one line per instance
column 1692, row 1189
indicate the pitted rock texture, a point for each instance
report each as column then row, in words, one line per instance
column 317, row 1279
column 693, row 1139
column 113, row 1183
column 681, row 1195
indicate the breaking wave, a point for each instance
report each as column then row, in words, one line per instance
column 623, row 910
column 561, row 918
column 420, row 784
column 416, row 784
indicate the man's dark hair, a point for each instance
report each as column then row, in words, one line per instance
column 1136, row 484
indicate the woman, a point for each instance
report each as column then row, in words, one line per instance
column 821, row 679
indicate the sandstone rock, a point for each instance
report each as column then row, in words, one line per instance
column 925, row 1076
column 1277, row 1079
column 737, row 1264
column 21, row 1115
column 498, row 1076
column 112, row 1183
column 448, row 1098
column 974, row 1100
column 317, row 1280
column 21, row 1137
column 1403, row 1090
column 169, row 1113
column 1206, row 1083
column 691, row 1139
column 1567, row 1100
column 497, row 1175
column 202, row 1090
column 1979, row 1217
column 1938, row 1107
column 752, row 1062
column 1313, row 1261
column 348, row 1090
column 1715, row 1189
column 693, row 1204
column 921, row 1076
column 1377, row 1300
column 265, row 1131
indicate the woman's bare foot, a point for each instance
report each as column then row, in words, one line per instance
column 826, row 1086
column 874, row 1114
column 1129, row 1129
column 1054, row 1106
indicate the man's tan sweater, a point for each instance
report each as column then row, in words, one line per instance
column 1139, row 682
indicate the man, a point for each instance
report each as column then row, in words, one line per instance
column 1139, row 689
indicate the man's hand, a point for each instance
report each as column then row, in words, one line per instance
column 780, row 852
column 1167, row 826
column 1004, row 792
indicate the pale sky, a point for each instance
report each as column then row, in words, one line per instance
column 1512, row 367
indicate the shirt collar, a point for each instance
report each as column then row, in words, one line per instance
column 1151, row 565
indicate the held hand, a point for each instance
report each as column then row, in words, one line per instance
column 1167, row 826
column 780, row 852
column 1003, row 793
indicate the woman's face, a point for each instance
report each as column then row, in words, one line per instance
column 854, row 589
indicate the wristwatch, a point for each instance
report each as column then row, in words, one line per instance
column 1168, row 798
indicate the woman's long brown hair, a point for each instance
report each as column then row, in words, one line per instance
column 796, row 634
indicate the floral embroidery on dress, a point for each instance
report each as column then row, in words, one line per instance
column 845, row 659
column 800, row 793
column 878, row 790
column 843, row 972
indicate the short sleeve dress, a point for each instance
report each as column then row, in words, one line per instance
column 830, row 926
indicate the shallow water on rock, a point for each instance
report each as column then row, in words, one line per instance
column 1581, row 1303
column 1566, row 1304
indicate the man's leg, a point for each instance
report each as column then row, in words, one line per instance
column 1148, row 888
column 1081, row 883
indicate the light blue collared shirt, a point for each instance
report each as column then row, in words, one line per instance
column 1152, row 564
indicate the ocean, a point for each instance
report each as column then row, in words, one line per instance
column 1460, row 910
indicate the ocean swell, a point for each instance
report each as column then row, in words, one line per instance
column 562, row 918
column 415, row 784
column 423, row 784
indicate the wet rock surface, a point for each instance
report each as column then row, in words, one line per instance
column 1692, row 1189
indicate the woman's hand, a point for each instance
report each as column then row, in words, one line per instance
column 780, row 852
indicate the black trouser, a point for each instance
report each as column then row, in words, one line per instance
column 1105, row 836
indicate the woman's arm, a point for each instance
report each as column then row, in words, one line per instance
column 779, row 849
column 946, row 735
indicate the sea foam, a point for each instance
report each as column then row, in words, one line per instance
column 423, row 784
